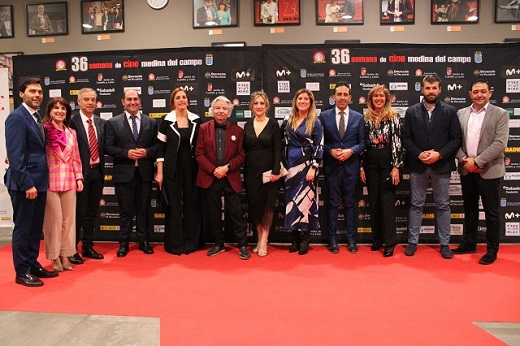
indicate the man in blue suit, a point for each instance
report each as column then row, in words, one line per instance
column 27, row 180
column 431, row 137
column 344, row 140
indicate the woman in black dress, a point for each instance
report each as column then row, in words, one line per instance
column 263, row 146
column 176, row 173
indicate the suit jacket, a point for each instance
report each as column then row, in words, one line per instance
column 443, row 135
column 170, row 140
column 206, row 154
column 36, row 25
column 64, row 164
column 405, row 7
column 202, row 16
column 26, row 153
column 354, row 139
column 492, row 143
column 83, row 144
column 119, row 139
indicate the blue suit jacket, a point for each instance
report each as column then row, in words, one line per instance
column 354, row 138
column 26, row 153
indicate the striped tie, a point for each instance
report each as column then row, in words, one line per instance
column 134, row 127
column 92, row 142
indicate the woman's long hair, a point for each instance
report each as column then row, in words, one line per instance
column 172, row 97
column 311, row 113
column 387, row 112
column 50, row 105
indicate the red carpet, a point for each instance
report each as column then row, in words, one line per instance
column 286, row 299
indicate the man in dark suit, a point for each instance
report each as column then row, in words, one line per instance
column 220, row 154
column 90, row 131
column 27, row 180
column 344, row 140
column 485, row 130
column 131, row 141
column 431, row 137
column 40, row 22
column 206, row 13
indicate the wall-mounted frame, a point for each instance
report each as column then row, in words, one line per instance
column 6, row 60
column 276, row 12
column 507, row 11
column 229, row 44
column 102, row 16
column 48, row 19
column 215, row 13
column 339, row 12
column 397, row 12
column 6, row 21
column 455, row 11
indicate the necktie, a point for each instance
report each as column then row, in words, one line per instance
column 220, row 126
column 39, row 121
column 341, row 127
column 92, row 142
column 134, row 127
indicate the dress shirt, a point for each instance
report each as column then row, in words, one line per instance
column 84, row 119
column 338, row 117
column 474, row 126
column 137, row 120
column 220, row 138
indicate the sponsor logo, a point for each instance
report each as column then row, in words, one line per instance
column 108, row 228
column 243, row 88
column 319, row 58
column 61, row 65
column 209, row 59
column 457, row 215
column 511, row 215
column 512, row 229
column 398, row 86
column 512, row 86
column 454, row 86
column 515, row 72
column 512, row 176
column 427, row 229
column 478, row 57
column 456, row 229
column 158, row 228
column 284, row 87
column 283, row 73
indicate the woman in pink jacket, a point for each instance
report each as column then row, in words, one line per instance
column 65, row 178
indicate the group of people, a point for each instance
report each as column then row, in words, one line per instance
column 208, row 15
column 103, row 19
column 336, row 12
column 56, row 171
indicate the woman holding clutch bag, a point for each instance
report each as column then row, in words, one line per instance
column 263, row 146
column 380, row 168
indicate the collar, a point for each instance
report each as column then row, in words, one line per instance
column 29, row 109
column 172, row 116
column 138, row 115
column 346, row 111
column 84, row 118
column 483, row 109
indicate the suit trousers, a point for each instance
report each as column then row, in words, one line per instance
column 381, row 196
column 27, row 232
column 59, row 224
column 342, row 186
column 134, row 200
column 233, row 210
column 87, row 202
column 473, row 186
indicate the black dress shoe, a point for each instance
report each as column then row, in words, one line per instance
column 28, row 280
column 41, row 272
column 333, row 246
column 389, row 252
column 463, row 249
column 216, row 249
column 244, row 253
column 91, row 253
column 123, row 250
column 76, row 259
column 352, row 246
column 145, row 247
column 488, row 258
column 376, row 246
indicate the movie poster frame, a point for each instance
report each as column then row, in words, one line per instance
column 10, row 68
column 320, row 6
column 433, row 10
column 32, row 9
column 233, row 4
column 258, row 22
column 85, row 29
column 9, row 10
column 383, row 16
column 498, row 4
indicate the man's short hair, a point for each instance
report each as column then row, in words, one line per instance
column 29, row 81
column 431, row 79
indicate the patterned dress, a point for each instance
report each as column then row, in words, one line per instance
column 301, row 152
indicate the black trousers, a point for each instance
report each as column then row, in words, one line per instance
column 381, row 196
column 87, row 205
column 233, row 208
column 134, row 200
column 474, row 186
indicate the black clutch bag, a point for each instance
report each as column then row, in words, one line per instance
column 162, row 200
column 388, row 182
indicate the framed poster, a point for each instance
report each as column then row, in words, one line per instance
column 339, row 12
column 507, row 11
column 397, row 12
column 6, row 21
column 47, row 19
column 6, row 60
column 455, row 11
column 102, row 16
column 215, row 13
column 276, row 12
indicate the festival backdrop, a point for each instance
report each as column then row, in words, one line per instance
column 281, row 70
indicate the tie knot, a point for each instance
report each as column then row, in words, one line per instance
column 89, row 121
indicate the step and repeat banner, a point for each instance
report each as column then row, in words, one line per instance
column 281, row 70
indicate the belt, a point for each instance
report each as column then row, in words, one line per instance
column 96, row 165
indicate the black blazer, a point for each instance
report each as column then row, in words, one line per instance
column 169, row 141
column 443, row 135
column 84, row 148
column 119, row 139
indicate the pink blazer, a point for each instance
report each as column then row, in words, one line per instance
column 64, row 166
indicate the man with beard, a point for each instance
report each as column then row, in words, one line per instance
column 431, row 136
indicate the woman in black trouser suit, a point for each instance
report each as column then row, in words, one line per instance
column 380, row 166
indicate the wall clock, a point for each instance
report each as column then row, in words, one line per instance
column 157, row 4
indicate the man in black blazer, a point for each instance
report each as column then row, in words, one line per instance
column 90, row 131
column 131, row 141
column 27, row 180
column 431, row 137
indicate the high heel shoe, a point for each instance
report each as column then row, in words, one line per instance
column 56, row 264
column 262, row 253
column 66, row 263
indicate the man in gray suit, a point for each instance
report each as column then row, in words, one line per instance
column 485, row 130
